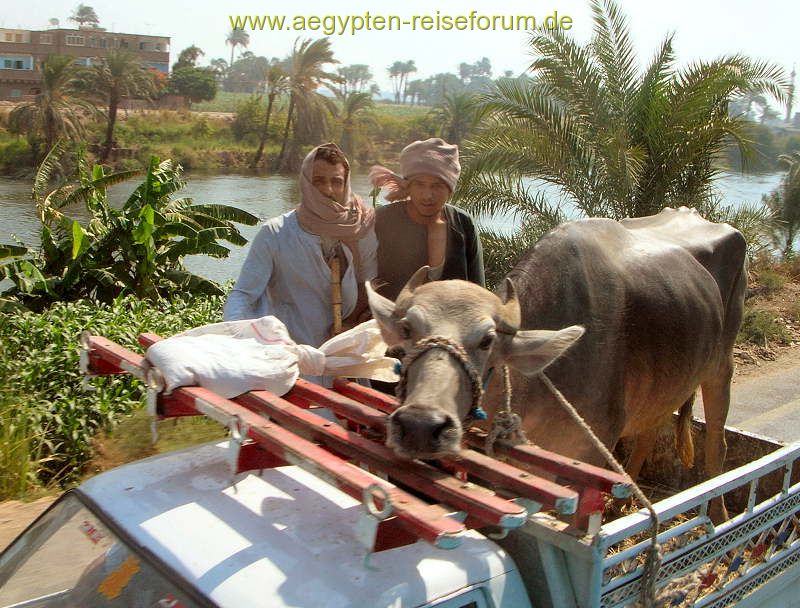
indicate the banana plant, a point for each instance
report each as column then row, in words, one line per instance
column 137, row 249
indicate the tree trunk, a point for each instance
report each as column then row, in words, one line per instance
column 281, row 156
column 347, row 139
column 113, row 103
column 49, row 134
column 264, row 133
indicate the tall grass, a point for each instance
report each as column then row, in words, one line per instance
column 21, row 449
column 50, row 416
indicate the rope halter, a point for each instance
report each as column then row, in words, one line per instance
column 457, row 352
column 506, row 424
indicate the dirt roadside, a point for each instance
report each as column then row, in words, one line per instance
column 15, row 517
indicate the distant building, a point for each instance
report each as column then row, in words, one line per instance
column 22, row 52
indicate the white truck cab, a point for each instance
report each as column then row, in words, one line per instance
column 179, row 530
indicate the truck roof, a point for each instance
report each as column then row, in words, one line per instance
column 281, row 537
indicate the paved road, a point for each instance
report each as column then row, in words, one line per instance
column 767, row 401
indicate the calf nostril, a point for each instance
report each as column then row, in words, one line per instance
column 441, row 428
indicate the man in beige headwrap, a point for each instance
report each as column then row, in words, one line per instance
column 419, row 228
column 287, row 272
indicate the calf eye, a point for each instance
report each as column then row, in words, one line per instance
column 486, row 343
column 404, row 329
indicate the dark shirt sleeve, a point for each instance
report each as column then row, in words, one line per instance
column 474, row 253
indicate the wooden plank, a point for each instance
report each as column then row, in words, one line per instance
column 306, row 393
column 499, row 474
column 440, row 486
column 380, row 401
column 107, row 357
column 568, row 468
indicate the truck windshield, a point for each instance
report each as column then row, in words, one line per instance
column 69, row 558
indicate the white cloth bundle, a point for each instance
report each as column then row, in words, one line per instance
column 234, row 357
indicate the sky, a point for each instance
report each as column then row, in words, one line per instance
column 703, row 29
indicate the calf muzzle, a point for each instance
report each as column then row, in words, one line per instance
column 419, row 431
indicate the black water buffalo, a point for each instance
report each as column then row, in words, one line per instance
column 660, row 299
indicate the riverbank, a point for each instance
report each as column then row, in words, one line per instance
column 221, row 141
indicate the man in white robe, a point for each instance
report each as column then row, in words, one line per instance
column 287, row 272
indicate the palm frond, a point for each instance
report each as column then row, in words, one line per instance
column 48, row 166
column 613, row 49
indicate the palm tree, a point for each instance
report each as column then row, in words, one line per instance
column 277, row 83
column 220, row 67
column 306, row 71
column 116, row 76
column 395, row 74
column 614, row 141
column 355, row 112
column 784, row 203
column 409, row 67
column 457, row 115
column 237, row 38
column 56, row 111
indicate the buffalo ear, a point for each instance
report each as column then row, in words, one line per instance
column 530, row 351
column 383, row 312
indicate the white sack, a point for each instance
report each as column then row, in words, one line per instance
column 234, row 357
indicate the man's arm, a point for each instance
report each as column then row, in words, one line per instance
column 474, row 251
column 253, row 279
column 368, row 250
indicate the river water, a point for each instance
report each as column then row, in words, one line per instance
column 266, row 197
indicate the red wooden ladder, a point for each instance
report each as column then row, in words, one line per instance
column 270, row 431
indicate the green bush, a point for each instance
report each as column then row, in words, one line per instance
column 771, row 281
column 762, row 327
column 225, row 101
column 15, row 154
column 128, row 164
column 794, row 312
column 249, row 120
column 39, row 358
column 201, row 128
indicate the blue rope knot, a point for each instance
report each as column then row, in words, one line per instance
column 478, row 413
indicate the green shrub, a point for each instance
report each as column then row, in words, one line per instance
column 762, row 327
column 249, row 120
column 225, row 101
column 771, row 281
column 190, row 159
column 128, row 164
column 15, row 154
column 39, row 358
column 794, row 312
column 201, row 128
